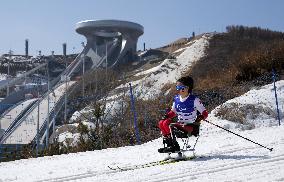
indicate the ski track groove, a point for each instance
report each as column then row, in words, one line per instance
column 219, row 168
column 78, row 176
column 203, row 155
column 109, row 171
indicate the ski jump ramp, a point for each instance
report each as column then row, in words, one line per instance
column 109, row 43
column 26, row 129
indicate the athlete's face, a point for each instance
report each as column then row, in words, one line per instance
column 181, row 89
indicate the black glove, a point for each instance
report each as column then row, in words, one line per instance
column 198, row 119
column 166, row 116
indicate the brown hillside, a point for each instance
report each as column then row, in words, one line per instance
column 236, row 61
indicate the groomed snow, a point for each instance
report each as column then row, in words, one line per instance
column 225, row 157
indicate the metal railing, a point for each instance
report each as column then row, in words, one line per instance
column 52, row 114
column 6, row 135
column 55, row 84
column 58, row 105
column 18, row 118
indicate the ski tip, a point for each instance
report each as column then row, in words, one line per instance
column 271, row 149
column 111, row 168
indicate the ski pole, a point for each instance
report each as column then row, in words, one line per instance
column 239, row 135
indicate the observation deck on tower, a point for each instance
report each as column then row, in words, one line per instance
column 109, row 42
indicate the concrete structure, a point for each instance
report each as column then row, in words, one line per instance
column 114, row 38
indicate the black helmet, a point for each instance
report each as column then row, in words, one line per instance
column 187, row 81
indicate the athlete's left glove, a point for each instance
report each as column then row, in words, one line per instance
column 198, row 119
column 169, row 115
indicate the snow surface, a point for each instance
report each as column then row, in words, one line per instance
column 263, row 99
column 179, row 50
column 225, row 157
column 3, row 76
column 71, row 139
column 77, row 115
column 148, row 71
column 68, row 136
column 170, row 70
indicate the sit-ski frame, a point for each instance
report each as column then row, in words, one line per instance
column 186, row 147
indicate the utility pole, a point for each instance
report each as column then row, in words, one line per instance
column 48, row 99
column 26, row 74
column 8, row 72
column 37, row 126
column 106, row 60
column 65, row 97
column 96, row 70
column 83, row 72
column 83, row 79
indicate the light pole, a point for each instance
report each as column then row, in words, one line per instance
column 37, row 126
column 65, row 96
column 48, row 99
column 96, row 70
column 83, row 79
column 8, row 72
column 106, row 60
column 83, row 72
column 26, row 73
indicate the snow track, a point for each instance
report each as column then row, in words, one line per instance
column 79, row 176
column 193, row 170
column 194, row 174
column 229, row 162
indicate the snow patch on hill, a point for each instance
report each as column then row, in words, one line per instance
column 254, row 109
column 3, row 77
column 170, row 69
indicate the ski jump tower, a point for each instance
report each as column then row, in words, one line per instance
column 109, row 42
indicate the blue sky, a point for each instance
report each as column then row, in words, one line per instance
column 47, row 24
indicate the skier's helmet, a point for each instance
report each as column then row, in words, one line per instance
column 187, row 81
